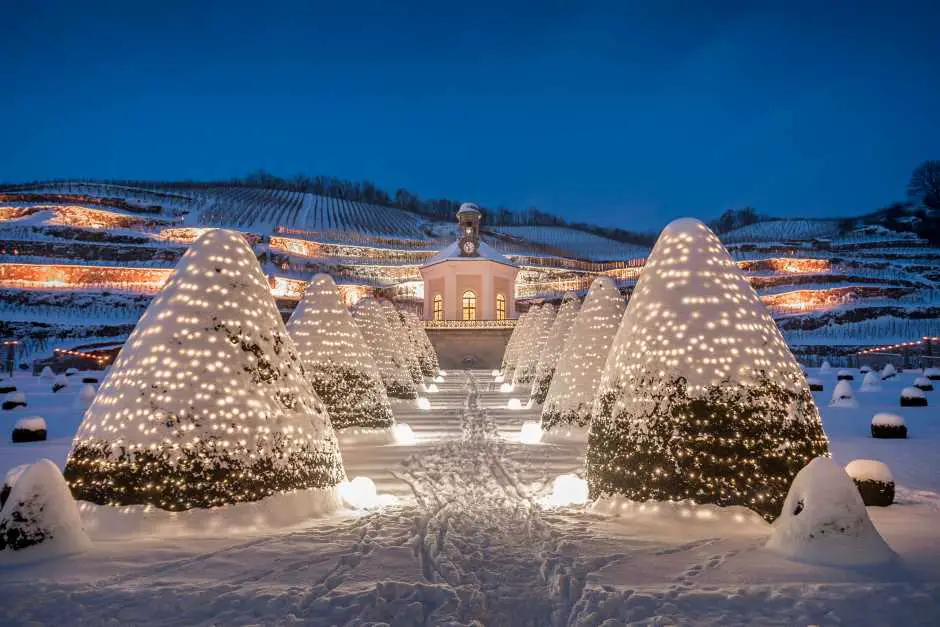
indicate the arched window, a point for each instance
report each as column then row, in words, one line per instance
column 500, row 307
column 438, row 307
column 469, row 305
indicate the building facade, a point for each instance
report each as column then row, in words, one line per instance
column 469, row 280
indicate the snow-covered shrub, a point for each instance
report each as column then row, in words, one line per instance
column 47, row 374
column 40, row 512
column 845, row 375
column 508, row 364
column 402, row 340
column 874, row 481
column 85, row 396
column 913, row 397
column 824, row 521
column 91, row 380
column 14, row 400
column 557, row 337
column 337, row 360
column 932, row 373
column 8, row 480
column 842, row 396
column 825, row 368
column 207, row 403
column 815, row 385
column 31, row 429
column 529, row 358
column 570, row 399
column 888, row 426
column 700, row 398
column 889, row 372
column 61, row 382
column 527, row 337
column 865, row 369
column 419, row 337
column 6, row 387
column 871, row 383
column 71, row 372
column 923, row 383
column 392, row 364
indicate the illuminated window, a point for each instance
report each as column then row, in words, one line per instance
column 469, row 305
column 438, row 307
column 500, row 307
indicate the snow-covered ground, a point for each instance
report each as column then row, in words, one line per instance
column 468, row 538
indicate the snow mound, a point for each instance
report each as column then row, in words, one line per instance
column 845, row 375
column 47, row 374
column 32, row 423
column 871, row 383
column 40, row 516
column 570, row 398
column 825, row 368
column 887, row 420
column 824, row 521
column 865, row 369
column 815, row 385
column 60, row 382
column 869, row 470
column 889, row 371
column 679, row 517
column 913, row 392
column 337, row 360
column 71, row 371
column 208, row 380
column 842, row 396
column 85, row 396
column 932, row 373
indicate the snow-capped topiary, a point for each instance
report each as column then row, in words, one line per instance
column 529, row 358
column 570, row 399
column 913, row 397
column 40, row 515
column 31, row 429
column 845, row 375
column 8, row 480
column 207, row 403
column 71, row 372
column 527, row 337
column 815, row 385
column 61, row 382
column 825, row 368
column 865, row 369
column 889, row 372
column 509, row 355
column 871, row 383
column 337, row 360
column 14, row 400
column 557, row 337
column 392, row 364
column 419, row 337
column 85, row 396
column 47, row 374
column 874, row 481
column 924, row 384
column 843, row 396
column 700, row 397
column 932, row 373
column 92, row 380
column 824, row 521
column 403, row 341
column 888, row 426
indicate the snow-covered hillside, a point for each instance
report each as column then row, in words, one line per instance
column 575, row 243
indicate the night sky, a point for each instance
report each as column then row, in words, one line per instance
column 628, row 116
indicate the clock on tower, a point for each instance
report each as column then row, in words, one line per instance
column 468, row 219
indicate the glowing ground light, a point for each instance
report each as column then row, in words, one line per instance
column 495, row 373
column 531, row 432
column 568, row 489
column 514, row 403
column 361, row 493
column 424, row 403
column 402, row 434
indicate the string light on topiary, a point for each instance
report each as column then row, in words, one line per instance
column 551, row 351
column 393, row 366
column 537, row 338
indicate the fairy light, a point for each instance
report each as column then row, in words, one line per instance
column 99, row 359
column 207, row 403
column 427, row 356
column 392, row 364
column 512, row 347
column 551, row 351
column 523, row 344
column 570, row 396
column 538, row 337
column 338, row 362
column 402, row 339
column 700, row 398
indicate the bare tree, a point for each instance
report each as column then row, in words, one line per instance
column 924, row 186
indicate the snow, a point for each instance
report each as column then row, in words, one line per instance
column 888, row 371
column 825, row 368
column 567, row 489
column 361, row 493
column 842, row 395
column 527, row 331
column 392, row 365
column 31, row 423
column 885, row 419
column 551, row 351
column 403, row 434
column 912, row 392
column 825, row 522
column 87, row 394
column 40, row 518
column 922, row 381
column 528, row 360
column 47, row 374
column 531, row 432
column 452, row 252
column 15, row 397
column 871, row 383
column 869, row 470
column 932, row 373
column 846, row 374
column 570, row 396
column 579, row 244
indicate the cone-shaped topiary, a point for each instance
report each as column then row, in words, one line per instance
column 393, row 366
column 570, row 399
column 337, row 360
column 557, row 336
column 524, row 342
column 403, row 341
column 700, row 399
column 509, row 355
column 419, row 337
column 207, row 402
column 529, row 358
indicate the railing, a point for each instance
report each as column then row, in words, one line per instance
column 470, row 324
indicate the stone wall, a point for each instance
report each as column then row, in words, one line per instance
column 469, row 348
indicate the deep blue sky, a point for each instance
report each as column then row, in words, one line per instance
column 629, row 115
